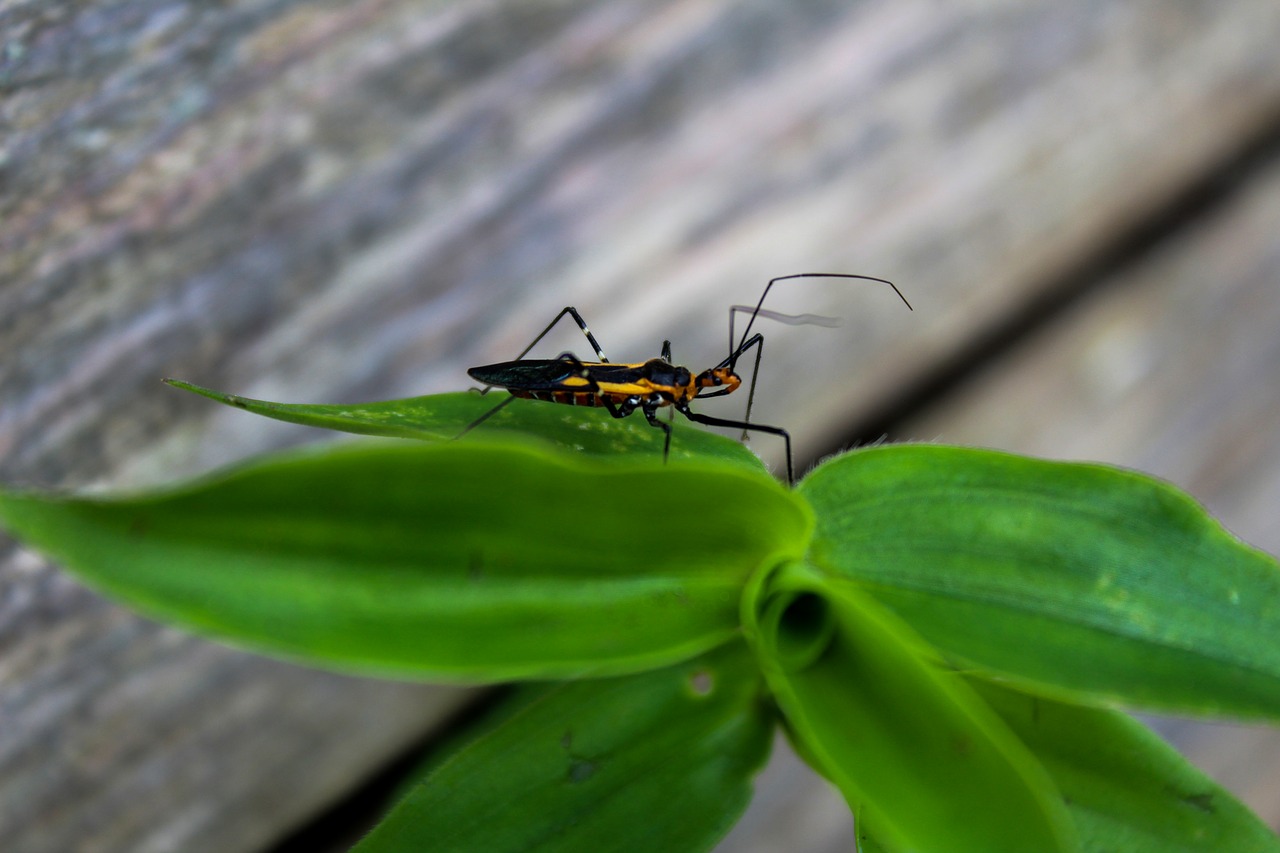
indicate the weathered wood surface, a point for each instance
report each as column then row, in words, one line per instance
column 356, row 200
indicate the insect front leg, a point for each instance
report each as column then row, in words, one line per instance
column 757, row 341
column 650, row 409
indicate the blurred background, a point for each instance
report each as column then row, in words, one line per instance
column 346, row 201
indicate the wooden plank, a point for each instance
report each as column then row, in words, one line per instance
column 355, row 200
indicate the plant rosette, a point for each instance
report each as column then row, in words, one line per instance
column 944, row 633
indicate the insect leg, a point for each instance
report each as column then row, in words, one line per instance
column 699, row 418
column 484, row 417
column 806, row 319
column 629, row 405
column 582, row 324
column 666, row 356
column 651, row 415
column 757, row 341
column 575, row 364
column 615, row 410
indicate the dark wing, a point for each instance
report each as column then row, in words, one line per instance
column 536, row 374
column 533, row 374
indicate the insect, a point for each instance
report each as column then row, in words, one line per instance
column 647, row 386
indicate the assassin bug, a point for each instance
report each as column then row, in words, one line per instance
column 649, row 385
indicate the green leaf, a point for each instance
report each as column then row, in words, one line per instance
column 468, row 562
column 864, row 838
column 443, row 417
column 1127, row 789
column 1079, row 581
column 913, row 749
column 651, row 762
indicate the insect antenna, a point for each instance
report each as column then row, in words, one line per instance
column 797, row 319
column 757, row 341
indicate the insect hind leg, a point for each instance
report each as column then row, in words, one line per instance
column 582, row 324
column 484, row 417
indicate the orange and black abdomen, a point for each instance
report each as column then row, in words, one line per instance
column 567, row 398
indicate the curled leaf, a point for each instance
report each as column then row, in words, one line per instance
column 917, row 754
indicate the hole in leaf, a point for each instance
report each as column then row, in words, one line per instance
column 702, row 682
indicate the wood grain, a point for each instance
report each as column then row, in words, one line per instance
column 331, row 201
